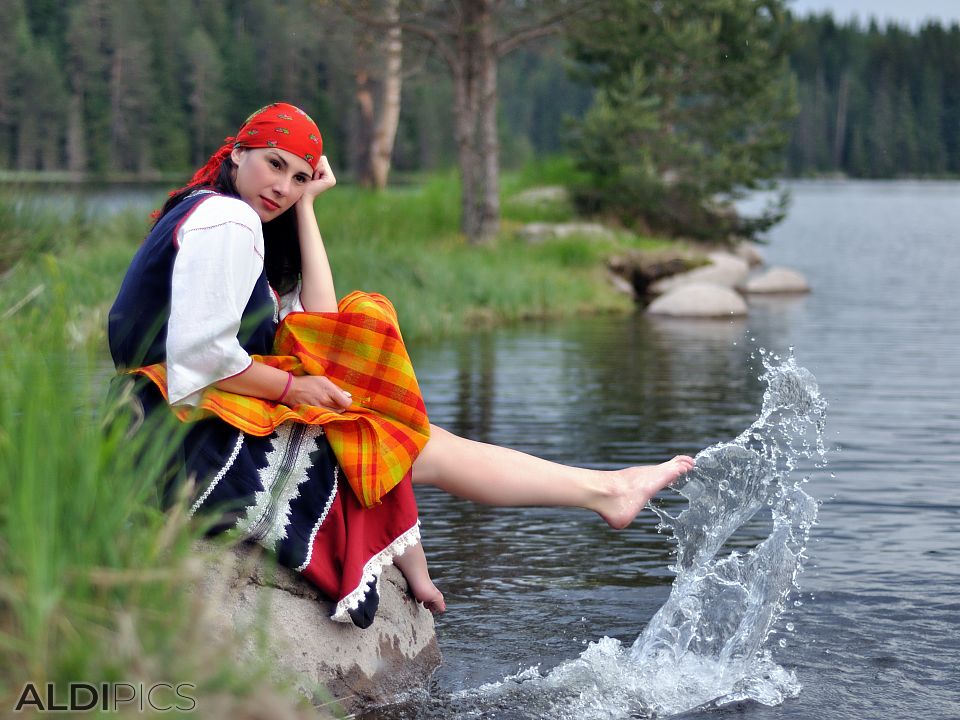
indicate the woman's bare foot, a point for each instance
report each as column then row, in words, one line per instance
column 427, row 593
column 413, row 565
column 630, row 489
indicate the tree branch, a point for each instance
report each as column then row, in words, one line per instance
column 515, row 40
column 432, row 36
column 551, row 25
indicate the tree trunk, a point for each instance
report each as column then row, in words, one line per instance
column 465, row 112
column 489, row 140
column 840, row 128
column 365, row 108
column 118, row 120
column 26, row 146
column 76, row 140
column 381, row 149
column 474, row 80
column 365, row 120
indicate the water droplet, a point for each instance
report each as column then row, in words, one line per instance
column 797, row 603
column 713, row 509
column 790, row 627
column 782, row 643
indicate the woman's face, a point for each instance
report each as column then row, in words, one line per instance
column 270, row 180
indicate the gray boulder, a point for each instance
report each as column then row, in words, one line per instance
column 777, row 280
column 725, row 270
column 327, row 660
column 699, row 300
column 540, row 232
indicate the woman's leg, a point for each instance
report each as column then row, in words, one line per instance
column 496, row 475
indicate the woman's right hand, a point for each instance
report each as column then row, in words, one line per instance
column 318, row 391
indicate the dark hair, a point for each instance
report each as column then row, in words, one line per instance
column 281, row 240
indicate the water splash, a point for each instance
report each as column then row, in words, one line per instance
column 707, row 645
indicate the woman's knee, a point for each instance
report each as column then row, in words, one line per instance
column 427, row 466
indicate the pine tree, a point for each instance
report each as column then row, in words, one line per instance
column 692, row 111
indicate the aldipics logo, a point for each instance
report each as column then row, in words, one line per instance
column 108, row 697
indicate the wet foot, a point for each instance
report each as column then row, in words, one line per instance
column 630, row 489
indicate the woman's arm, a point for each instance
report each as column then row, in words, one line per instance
column 217, row 265
column 269, row 383
column 317, row 293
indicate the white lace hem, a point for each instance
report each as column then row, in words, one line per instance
column 372, row 571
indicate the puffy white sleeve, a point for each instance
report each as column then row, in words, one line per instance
column 218, row 263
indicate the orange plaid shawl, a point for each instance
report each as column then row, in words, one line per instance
column 360, row 349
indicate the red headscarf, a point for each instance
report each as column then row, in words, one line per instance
column 277, row 125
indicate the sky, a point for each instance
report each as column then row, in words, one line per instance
column 906, row 12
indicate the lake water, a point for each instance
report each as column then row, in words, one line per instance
column 877, row 630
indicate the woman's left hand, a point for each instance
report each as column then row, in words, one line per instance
column 323, row 179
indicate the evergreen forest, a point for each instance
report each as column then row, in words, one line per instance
column 118, row 88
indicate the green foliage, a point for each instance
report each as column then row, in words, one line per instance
column 875, row 102
column 96, row 580
column 27, row 231
column 692, row 110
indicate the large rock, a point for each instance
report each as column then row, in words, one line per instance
column 396, row 654
column 699, row 300
column 777, row 280
column 642, row 268
column 540, row 232
column 725, row 270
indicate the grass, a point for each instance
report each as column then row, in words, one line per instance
column 94, row 578
column 403, row 242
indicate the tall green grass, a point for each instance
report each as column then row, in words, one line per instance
column 95, row 579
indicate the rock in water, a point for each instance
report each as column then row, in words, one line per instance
column 778, row 280
column 699, row 300
column 358, row 668
column 724, row 269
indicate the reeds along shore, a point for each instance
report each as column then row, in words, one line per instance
column 94, row 576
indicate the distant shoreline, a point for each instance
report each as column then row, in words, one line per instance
column 13, row 178
column 66, row 177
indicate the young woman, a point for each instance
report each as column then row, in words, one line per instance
column 306, row 427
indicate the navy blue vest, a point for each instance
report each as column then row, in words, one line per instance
column 138, row 319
